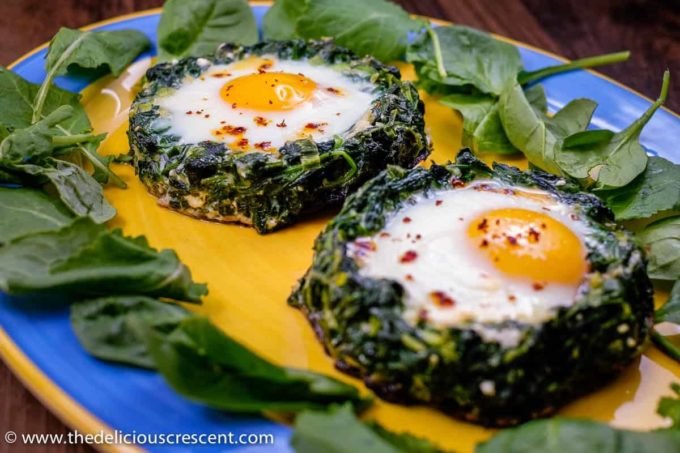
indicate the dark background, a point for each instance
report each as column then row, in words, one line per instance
column 572, row 28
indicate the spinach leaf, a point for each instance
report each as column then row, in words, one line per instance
column 670, row 406
column 280, row 20
column 203, row 364
column 538, row 136
column 338, row 430
column 92, row 51
column 661, row 239
column 526, row 77
column 656, row 190
column 470, row 59
column 84, row 258
column 560, row 435
column 616, row 162
column 116, row 328
column 28, row 211
column 367, row 27
column 670, row 311
column 198, row 27
column 16, row 112
column 76, row 188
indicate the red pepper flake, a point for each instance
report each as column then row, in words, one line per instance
column 408, row 277
column 233, row 130
column 263, row 145
column 408, row 257
column 442, row 299
column 261, row 121
column 223, row 122
column 333, row 90
column 544, row 226
column 455, row 182
column 264, row 67
column 315, row 125
column 243, row 143
column 512, row 298
column 508, row 192
column 282, row 124
column 538, row 286
column 534, row 235
column 366, row 244
column 483, row 225
column 438, row 202
column 384, row 234
column 207, row 115
column 407, row 219
column 512, row 240
column 189, row 112
column 484, row 243
column 271, row 102
column 574, row 217
column 233, row 106
column 418, row 237
column 219, row 75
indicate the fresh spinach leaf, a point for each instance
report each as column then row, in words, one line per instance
column 470, row 59
column 79, row 191
column 86, row 259
column 338, row 430
column 587, row 138
column 92, row 51
column 561, row 435
column 198, row 27
column 116, row 328
column 203, row 364
column 656, row 190
column 280, row 20
column 670, row 311
column 538, row 136
column 28, row 211
column 16, row 112
column 616, row 162
column 669, row 407
column 661, row 239
column 367, row 27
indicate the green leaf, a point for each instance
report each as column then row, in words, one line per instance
column 92, row 51
column 16, row 111
column 470, row 58
column 537, row 135
column 339, row 431
column 280, row 20
column 203, row 364
column 587, row 138
column 654, row 191
column 198, row 27
column 670, row 311
column 84, row 258
column 661, row 239
column 28, row 211
column 79, row 191
column 617, row 162
column 367, row 27
column 560, row 435
column 526, row 77
column 36, row 141
column 670, row 406
column 116, row 328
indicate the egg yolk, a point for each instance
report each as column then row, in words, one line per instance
column 268, row 91
column 524, row 243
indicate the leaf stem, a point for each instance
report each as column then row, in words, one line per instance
column 436, row 47
column 666, row 345
column 525, row 77
column 69, row 140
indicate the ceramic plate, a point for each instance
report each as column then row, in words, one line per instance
column 250, row 277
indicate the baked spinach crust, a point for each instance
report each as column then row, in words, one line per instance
column 270, row 190
column 359, row 319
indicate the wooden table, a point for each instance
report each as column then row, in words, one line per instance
column 574, row 29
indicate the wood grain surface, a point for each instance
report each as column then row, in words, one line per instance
column 650, row 29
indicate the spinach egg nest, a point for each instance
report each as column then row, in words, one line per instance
column 262, row 134
column 495, row 295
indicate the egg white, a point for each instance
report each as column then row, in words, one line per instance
column 202, row 94
column 448, row 261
